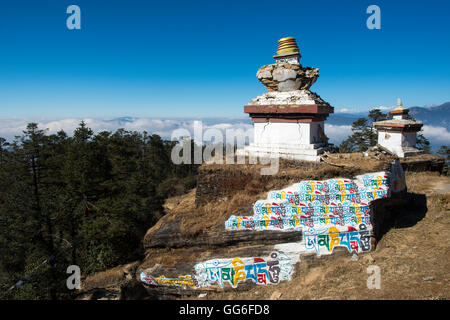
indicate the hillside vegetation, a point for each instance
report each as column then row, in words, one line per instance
column 85, row 200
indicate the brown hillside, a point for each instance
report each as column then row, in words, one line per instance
column 412, row 253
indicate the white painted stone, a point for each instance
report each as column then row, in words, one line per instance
column 292, row 249
column 400, row 143
column 291, row 154
column 284, row 74
column 398, row 117
column 292, row 59
column 291, row 133
column 289, row 85
column 297, row 141
column 287, row 97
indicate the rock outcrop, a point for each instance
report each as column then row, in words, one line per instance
column 193, row 249
column 190, row 246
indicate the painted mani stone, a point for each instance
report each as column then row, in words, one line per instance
column 331, row 213
column 262, row 271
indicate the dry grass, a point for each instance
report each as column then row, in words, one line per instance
column 175, row 206
column 425, row 182
column 195, row 220
column 170, row 257
column 110, row 277
column 358, row 160
column 212, row 215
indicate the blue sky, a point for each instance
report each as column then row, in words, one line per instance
column 199, row 58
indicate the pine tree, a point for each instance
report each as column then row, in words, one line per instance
column 85, row 200
column 375, row 115
column 445, row 152
column 359, row 141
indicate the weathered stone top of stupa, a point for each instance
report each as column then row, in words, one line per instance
column 286, row 80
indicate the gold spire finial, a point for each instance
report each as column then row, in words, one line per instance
column 287, row 46
column 399, row 104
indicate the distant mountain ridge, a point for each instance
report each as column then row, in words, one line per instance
column 436, row 116
column 433, row 116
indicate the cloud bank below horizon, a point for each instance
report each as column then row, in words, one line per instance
column 11, row 127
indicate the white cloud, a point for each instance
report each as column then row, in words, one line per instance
column 68, row 125
column 383, row 108
column 337, row 133
column 164, row 127
column 437, row 135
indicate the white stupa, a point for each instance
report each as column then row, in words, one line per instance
column 398, row 135
column 288, row 119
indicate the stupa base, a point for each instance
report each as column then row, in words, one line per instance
column 406, row 152
column 311, row 152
